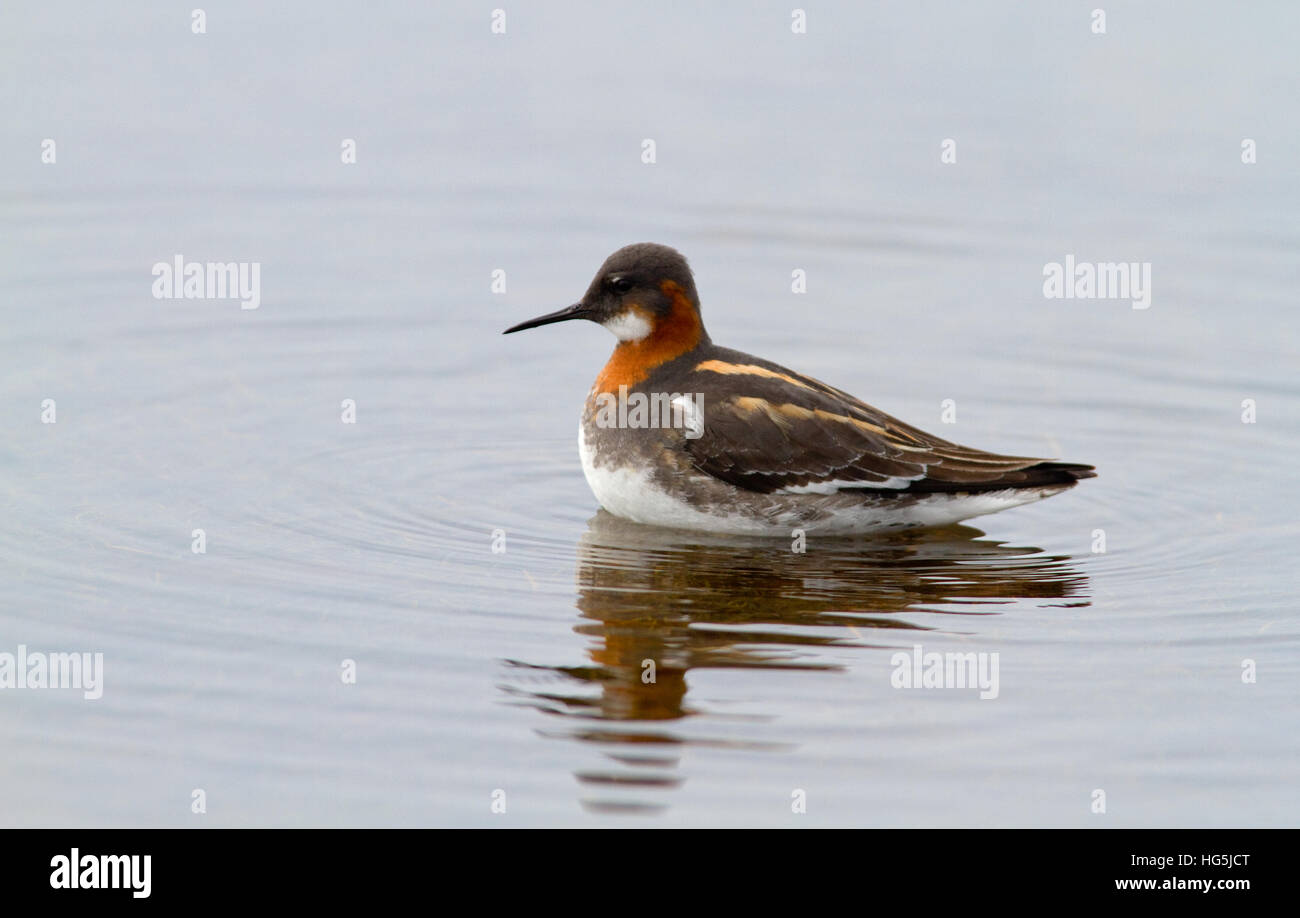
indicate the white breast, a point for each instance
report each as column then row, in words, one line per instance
column 630, row 492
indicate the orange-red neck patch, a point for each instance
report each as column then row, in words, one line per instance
column 671, row 336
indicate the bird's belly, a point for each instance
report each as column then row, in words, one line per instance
column 630, row 478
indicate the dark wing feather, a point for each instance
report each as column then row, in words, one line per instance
column 779, row 430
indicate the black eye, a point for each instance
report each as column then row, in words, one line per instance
column 620, row 284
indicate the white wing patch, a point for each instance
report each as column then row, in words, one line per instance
column 836, row 486
column 692, row 416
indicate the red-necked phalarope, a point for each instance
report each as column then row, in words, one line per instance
column 679, row 432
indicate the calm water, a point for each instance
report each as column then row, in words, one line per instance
column 522, row 671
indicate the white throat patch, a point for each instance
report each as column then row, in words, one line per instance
column 629, row 325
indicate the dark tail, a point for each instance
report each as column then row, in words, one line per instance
column 1044, row 474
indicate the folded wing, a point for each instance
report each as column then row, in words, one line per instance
column 777, row 430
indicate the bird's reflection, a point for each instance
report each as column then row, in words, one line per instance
column 655, row 604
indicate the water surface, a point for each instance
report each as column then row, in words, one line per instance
column 523, row 671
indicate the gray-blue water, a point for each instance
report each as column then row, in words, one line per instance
column 516, row 678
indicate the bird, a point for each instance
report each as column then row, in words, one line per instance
column 679, row 432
